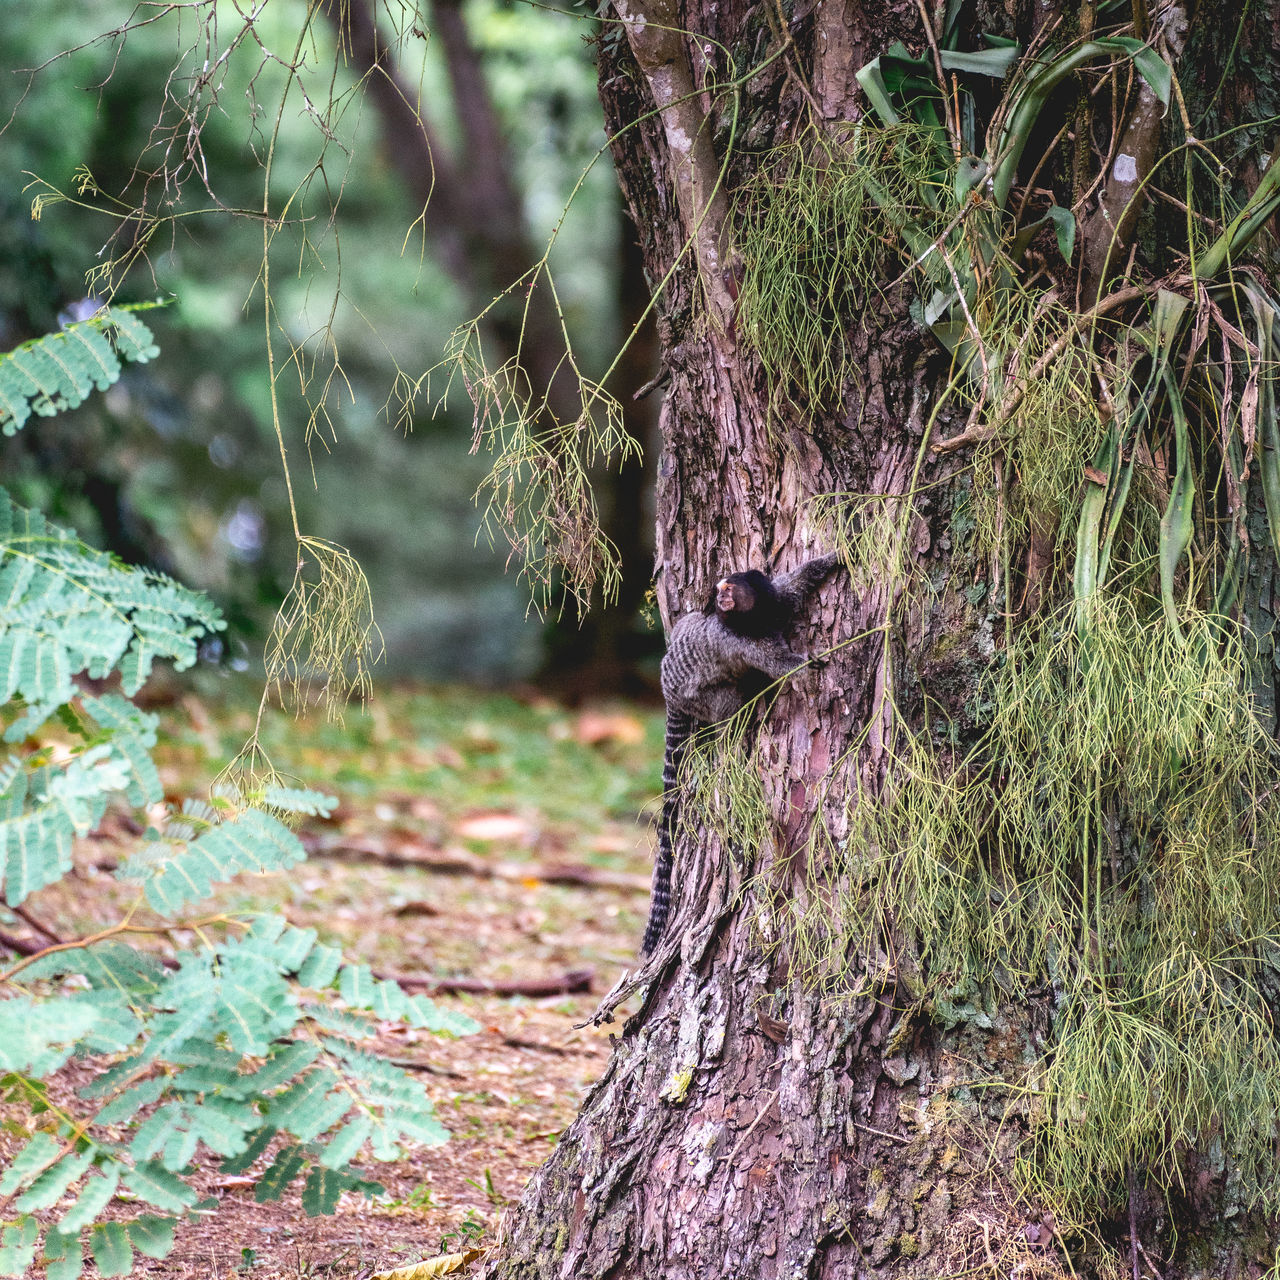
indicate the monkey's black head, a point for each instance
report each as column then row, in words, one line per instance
column 746, row 603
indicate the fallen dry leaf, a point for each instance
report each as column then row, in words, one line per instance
column 594, row 727
column 446, row 1264
column 493, row 826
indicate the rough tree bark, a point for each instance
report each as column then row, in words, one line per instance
column 746, row 1126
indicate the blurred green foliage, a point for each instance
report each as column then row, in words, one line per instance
column 177, row 465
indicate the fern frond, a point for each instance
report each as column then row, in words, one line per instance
column 66, row 608
column 59, row 370
column 38, row 1036
column 175, row 874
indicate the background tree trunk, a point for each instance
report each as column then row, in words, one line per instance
column 747, row 1125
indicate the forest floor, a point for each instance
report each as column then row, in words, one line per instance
column 477, row 836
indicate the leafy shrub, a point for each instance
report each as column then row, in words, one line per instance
column 239, row 1044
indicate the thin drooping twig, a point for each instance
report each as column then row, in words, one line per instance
column 982, row 431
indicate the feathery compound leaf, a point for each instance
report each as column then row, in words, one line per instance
column 253, row 841
column 38, row 1036
column 323, row 1186
column 112, row 1251
column 94, row 1197
column 111, row 964
column 63, row 1256
column 314, row 804
column 56, row 372
column 320, row 967
column 346, row 1143
column 133, row 735
column 157, row 1186
column 50, row 1186
column 287, row 1165
column 18, row 1246
column 356, row 984
column 283, row 1065
column 261, row 1141
column 308, row 1109
column 152, row 1235
column 34, row 1158
column 419, row 1011
column 69, row 608
column 125, row 1106
column 133, row 339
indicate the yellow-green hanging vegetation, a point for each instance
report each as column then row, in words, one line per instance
column 1105, row 819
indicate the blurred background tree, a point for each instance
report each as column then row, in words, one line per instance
column 449, row 151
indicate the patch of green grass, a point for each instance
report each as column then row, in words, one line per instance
column 464, row 750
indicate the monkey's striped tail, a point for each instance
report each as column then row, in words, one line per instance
column 680, row 729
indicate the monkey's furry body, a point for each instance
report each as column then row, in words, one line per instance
column 740, row 631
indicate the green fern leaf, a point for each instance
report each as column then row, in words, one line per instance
column 63, row 802
column 155, row 1130
column 133, row 339
column 315, row 804
column 94, row 1196
column 59, row 370
column 348, row 1023
column 38, row 1036
column 346, row 1143
column 388, row 1002
column 422, row 1012
column 224, row 1125
column 112, row 1251
column 356, row 983
column 320, row 967
column 323, row 1186
column 418, row 1125
column 118, row 1020
column 202, row 1054
column 152, row 1235
column 406, row 1111
column 222, row 1081
column 109, row 965
column 287, row 1165
column 121, row 1073
column 153, row 1183
column 36, row 848
column 126, row 1105
column 260, row 1142
column 63, row 1256
column 133, row 735
column 253, row 841
column 71, row 608
column 255, row 1005
column 18, row 1246
column 50, row 1186
column 307, row 1109
column 193, row 999
column 292, row 948
column 297, row 1106
column 38, row 1155
column 283, row 1064
column 179, row 1148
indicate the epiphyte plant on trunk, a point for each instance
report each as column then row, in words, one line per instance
column 1104, row 820
column 1035, row 908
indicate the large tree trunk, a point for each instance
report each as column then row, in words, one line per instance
column 750, row 1124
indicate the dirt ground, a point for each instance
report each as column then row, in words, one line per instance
column 417, row 885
